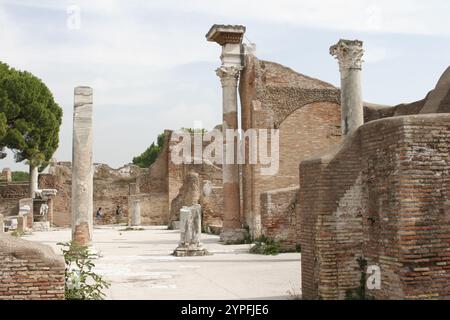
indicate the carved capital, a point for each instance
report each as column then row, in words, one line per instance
column 228, row 75
column 348, row 53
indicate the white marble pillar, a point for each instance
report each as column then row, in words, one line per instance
column 136, row 213
column 34, row 173
column 185, row 226
column 230, row 38
column 82, row 167
column 349, row 55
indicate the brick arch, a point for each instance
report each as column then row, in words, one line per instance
column 283, row 101
column 306, row 131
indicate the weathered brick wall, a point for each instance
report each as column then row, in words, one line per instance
column 61, row 203
column 383, row 196
column 410, row 214
column 29, row 271
column 10, row 194
column 279, row 216
column 305, row 110
column 111, row 188
column 212, row 207
column 154, row 208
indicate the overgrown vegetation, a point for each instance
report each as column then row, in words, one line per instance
column 266, row 246
column 148, row 157
column 81, row 282
column 360, row 292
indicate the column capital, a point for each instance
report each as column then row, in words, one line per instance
column 348, row 53
column 227, row 74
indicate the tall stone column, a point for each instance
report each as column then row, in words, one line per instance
column 230, row 38
column 349, row 55
column 34, row 174
column 82, row 167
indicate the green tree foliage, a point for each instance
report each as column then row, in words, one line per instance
column 29, row 117
column 149, row 156
column 3, row 126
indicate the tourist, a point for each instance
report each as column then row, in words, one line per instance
column 118, row 214
column 99, row 214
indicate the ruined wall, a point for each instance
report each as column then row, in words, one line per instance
column 384, row 196
column 279, row 216
column 209, row 174
column 307, row 112
column 154, row 208
column 212, row 205
column 156, row 179
column 111, row 188
column 10, row 194
column 29, row 271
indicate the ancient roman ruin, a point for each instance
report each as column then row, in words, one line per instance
column 82, row 167
column 357, row 185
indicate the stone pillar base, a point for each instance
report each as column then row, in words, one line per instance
column 190, row 251
column 233, row 236
column 41, row 226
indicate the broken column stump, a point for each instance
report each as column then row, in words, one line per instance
column 190, row 232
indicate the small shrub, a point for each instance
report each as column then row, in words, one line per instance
column 17, row 233
column 266, row 246
column 81, row 282
column 298, row 248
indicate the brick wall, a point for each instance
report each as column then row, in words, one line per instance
column 212, row 204
column 10, row 194
column 61, row 203
column 111, row 188
column 154, row 208
column 29, row 271
column 383, row 195
column 306, row 111
column 278, row 216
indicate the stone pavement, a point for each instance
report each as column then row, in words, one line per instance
column 139, row 266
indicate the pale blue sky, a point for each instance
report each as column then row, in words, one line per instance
column 151, row 67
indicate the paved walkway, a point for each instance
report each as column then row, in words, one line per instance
column 139, row 266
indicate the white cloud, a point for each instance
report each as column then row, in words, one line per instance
column 386, row 16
